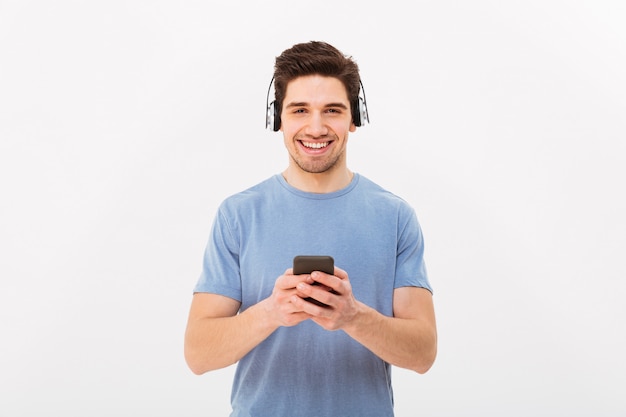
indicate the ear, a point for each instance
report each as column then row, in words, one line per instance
column 352, row 127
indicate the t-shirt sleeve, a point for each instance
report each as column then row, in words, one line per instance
column 220, row 265
column 410, row 265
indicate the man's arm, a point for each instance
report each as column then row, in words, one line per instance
column 407, row 340
column 216, row 336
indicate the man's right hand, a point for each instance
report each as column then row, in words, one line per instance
column 278, row 306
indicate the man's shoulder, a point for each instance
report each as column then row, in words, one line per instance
column 254, row 193
column 375, row 190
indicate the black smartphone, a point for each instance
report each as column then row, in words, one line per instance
column 305, row 264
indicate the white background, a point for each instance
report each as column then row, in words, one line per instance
column 123, row 124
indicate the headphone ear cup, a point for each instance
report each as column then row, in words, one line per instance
column 363, row 115
column 359, row 112
column 270, row 116
column 276, row 126
column 359, row 108
column 356, row 113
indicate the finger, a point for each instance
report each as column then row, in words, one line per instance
column 340, row 273
column 310, row 307
column 305, row 289
column 288, row 281
column 330, row 281
column 316, row 294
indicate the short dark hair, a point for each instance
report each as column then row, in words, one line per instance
column 315, row 58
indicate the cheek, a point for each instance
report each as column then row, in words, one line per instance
column 342, row 129
column 288, row 129
column 288, row 138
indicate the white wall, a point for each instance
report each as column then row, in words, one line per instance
column 123, row 124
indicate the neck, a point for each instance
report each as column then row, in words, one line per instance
column 320, row 183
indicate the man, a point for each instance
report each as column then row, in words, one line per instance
column 296, row 357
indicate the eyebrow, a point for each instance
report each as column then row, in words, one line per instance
column 305, row 104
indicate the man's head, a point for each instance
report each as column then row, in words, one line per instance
column 317, row 58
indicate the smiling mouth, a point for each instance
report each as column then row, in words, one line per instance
column 315, row 145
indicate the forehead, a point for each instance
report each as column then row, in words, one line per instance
column 315, row 88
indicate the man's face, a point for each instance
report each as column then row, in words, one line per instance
column 315, row 122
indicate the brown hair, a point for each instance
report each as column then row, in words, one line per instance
column 311, row 58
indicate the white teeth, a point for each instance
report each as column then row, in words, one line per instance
column 315, row 145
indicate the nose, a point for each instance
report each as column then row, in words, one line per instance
column 316, row 126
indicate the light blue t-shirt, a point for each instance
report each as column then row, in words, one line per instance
column 305, row 370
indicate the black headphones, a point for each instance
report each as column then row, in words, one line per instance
column 358, row 108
